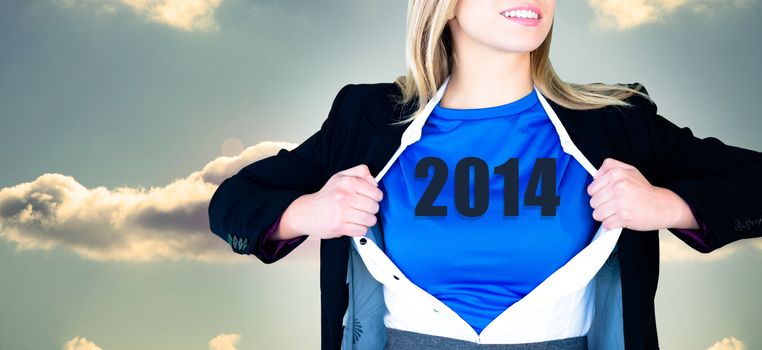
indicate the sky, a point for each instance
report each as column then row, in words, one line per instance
column 118, row 119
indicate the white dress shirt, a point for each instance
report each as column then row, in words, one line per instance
column 573, row 301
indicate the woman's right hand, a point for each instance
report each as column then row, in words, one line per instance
column 345, row 206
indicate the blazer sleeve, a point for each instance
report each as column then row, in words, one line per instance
column 246, row 207
column 720, row 182
column 271, row 248
column 697, row 238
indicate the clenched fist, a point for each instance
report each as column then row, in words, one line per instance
column 345, row 206
column 622, row 197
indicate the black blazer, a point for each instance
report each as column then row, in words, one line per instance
column 720, row 182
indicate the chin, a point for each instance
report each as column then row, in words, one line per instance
column 516, row 47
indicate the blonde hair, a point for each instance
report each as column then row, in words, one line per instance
column 429, row 56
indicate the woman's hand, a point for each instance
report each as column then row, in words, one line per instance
column 345, row 206
column 622, row 197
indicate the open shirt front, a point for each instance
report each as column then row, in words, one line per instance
column 583, row 297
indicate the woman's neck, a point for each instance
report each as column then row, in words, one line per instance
column 481, row 79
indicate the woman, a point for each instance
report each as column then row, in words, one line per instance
column 392, row 168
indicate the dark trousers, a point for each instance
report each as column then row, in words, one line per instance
column 405, row 340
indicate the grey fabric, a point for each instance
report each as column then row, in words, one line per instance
column 363, row 322
column 398, row 339
column 607, row 328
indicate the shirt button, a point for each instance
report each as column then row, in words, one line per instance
column 363, row 241
column 395, row 277
column 436, row 310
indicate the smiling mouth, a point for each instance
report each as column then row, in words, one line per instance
column 522, row 13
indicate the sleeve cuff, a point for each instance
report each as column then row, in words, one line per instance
column 699, row 238
column 272, row 248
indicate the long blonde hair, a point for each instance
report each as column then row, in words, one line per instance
column 429, row 56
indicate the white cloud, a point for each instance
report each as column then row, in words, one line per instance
column 225, row 342
column 621, row 15
column 171, row 222
column 80, row 343
column 123, row 223
column 672, row 249
column 188, row 15
column 728, row 344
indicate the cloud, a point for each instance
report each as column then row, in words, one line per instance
column 621, row 15
column 80, row 343
column 188, row 15
column 225, row 342
column 728, row 344
column 672, row 249
column 171, row 222
column 123, row 223
column 221, row 342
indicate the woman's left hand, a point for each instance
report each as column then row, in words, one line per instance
column 622, row 197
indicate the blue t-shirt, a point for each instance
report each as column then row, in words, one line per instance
column 475, row 259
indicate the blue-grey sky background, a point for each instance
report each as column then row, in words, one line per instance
column 119, row 117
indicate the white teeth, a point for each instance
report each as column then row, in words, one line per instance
column 521, row 14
